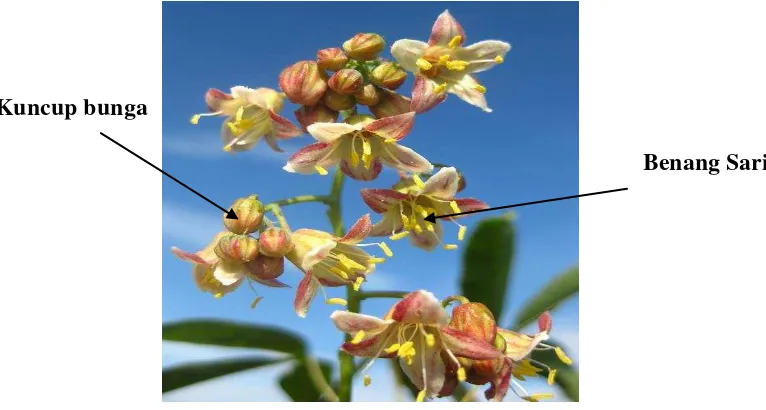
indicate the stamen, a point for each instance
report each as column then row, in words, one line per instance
column 456, row 65
column 421, row 396
column 450, row 247
column 538, row 397
column 358, row 283
column 218, row 295
column 393, row 348
column 367, row 380
column 480, row 88
column 562, row 356
column 461, row 233
column 336, row 301
column 430, row 228
column 320, row 170
column 418, row 228
column 377, row 260
column 195, row 119
column 400, row 235
column 461, row 374
column 358, row 337
column 354, row 158
column 444, row 58
column 440, row 88
column 366, row 153
column 349, row 263
column 405, row 221
column 423, row 64
column 455, row 42
column 339, row 272
column 499, row 59
column 430, row 340
column 454, row 207
column 385, row 249
column 551, row 376
column 255, row 302
column 418, row 181
column 389, row 140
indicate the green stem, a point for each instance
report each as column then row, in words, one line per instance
column 333, row 202
column 277, row 211
column 317, row 377
column 381, row 294
column 299, row 199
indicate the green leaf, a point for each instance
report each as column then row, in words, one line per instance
column 187, row 374
column 567, row 377
column 299, row 386
column 487, row 262
column 551, row 295
column 234, row 334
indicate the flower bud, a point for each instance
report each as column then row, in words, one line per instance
column 545, row 322
column 332, row 59
column 240, row 248
column 364, row 46
column 215, row 98
column 265, row 267
column 302, row 82
column 249, row 216
column 275, row 242
column 388, row 75
column 368, row 95
column 390, row 104
column 308, row 115
column 338, row 102
column 476, row 319
column 346, row 81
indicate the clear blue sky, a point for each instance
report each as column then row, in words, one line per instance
column 527, row 149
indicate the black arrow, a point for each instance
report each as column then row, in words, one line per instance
column 432, row 218
column 229, row 214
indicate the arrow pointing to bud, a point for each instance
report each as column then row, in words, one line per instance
column 432, row 218
column 229, row 213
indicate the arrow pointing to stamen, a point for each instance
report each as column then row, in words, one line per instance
column 229, row 213
column 432, row 217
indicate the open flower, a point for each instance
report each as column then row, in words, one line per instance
column 251, row 114
column 405, row 207
column 443, row 65
column 414, row 330
column 361, row 146
column 327, row 260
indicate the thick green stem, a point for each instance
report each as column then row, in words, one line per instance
column 299, row 199
column 381, row 294
column 333, row 202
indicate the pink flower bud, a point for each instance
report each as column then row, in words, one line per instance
column 275, row 242
column 265, row 267
column 338, row 102
column 475, row 319
column 249, row 216
column 308, row 115
column 302, row 82
column 545, row 322
column 368, row 95
column 240, row 248
column 332, row 59
column 346, row 81
column 390, row 104
column 388, row 75
column 364, row 46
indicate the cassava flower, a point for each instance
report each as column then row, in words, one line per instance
column 390, row 103
column 328, row 260
column 414, row 330
column 443, row 65
column 361, row 146
column 405, row 207
column 251, row 114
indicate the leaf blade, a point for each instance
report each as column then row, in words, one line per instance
column 187, row 374
column 567, row 376
column 298, row 384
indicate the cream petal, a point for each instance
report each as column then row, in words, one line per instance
column 380, row 200
column 228, row 272
column 425, row 239
column 424, row 95
column 360, row 172
column 358, row 231
column 406, row 52
column 272, row 143
column 371, row 346
column 316, row 255
column 404, row 159
column 330, row 131
column 518, row 345
column 428, row 360
column 484, row 51
column 282, row 127
column 389, row 225
column 445, row 28
column 307, row 289
column 205, row 281
column 420, row 307
column 465, row 89
column 307, row 158
column 443, row 184
column 395, row 127
column 352, row 323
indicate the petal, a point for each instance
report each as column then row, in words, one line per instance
column 465, row 89
column 396, row 127
column 424, row 95
column 203, row 277
column 500, row 384
column 359, row 172
column 317, row 254
column 517, row 345
column 425, row 239
column 282, row 127
column 206, row 256
column 358, row 231
column 389, row 225
column 380, row 200
column 419, row 307
column 406, row 52
column 306, row 291
column 445, row 28
column 464, row 345
column 427, row 359
column 272, row 283
column 404, row 159
column 228, row 272
column 330, row 131
column 443, row 184
column 369, row 347
column 470, row 204
column 307, row 158
column 271, row 140
column 351, row 323
column 484, row 50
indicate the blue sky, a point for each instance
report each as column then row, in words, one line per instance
column 527, row 149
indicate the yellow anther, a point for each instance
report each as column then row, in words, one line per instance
column 461, row 233
column 320, row 170
column 456, row 65
column 227, row 148
column 255, row 302
column 358, row 283
column 538, row 397
column 386, row 249
column 339, row 272
column 336, row 301
column 367, row 380
column 233, row 127
column 404, row 348
column 562, row 356
column 418, row 181
column 240, row 113
column 418, row 228
column 450, row 247
column 354, row 158
column 358, row 337
column 195, row 119
column 393, row 348
column 421, row 396
column 218, row 295
column 461, row 374
column 454, row 207
column 400, row 235
column 455, row 42
column 444, row 58
column 430, row 340
column 405, row 221
column 480, row 88
column 499, row 59
column 350, row 263
column 430, row 228
column 440, row 88
column 389, row 140
column 423, row 64
column 551, row 376
column 377, row 260
column 366, row 153
column 421, row 210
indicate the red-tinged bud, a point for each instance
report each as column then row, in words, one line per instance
column 307, row 115
column 364, row 46
column 545, row 322
column 214, row 98
column 332, row 59
column 249, row 216
column 240, row 248
column 275, row 242
column 302, row 82
column 265, row 267
column 338, row 102
column 368, row 95
column 388, row 75
column 475, row 319
column 390, row 104
column 346, row 81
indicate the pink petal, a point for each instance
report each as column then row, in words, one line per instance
column 214, row 98
column 380, row 200
column 395, row 127
column 351, row 323
column 306, row 291
column 205, row 256
column 283, row 128
column 443, row 184
column 358, row 231
column 424, row 96
column 465, row 345
column 327, row 282
column 272, row 283
column 369, row 347
column 330, row 131
column 190, row 257
column 499, row 386
column 465, row 89
column 317, row 254
column 444, row 29
column 307, row 158
column 419, row 307
column 359, row 172
column 470, row 204
column 404, row 159
column 545, row 322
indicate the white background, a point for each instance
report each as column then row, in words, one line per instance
column 671, row 291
